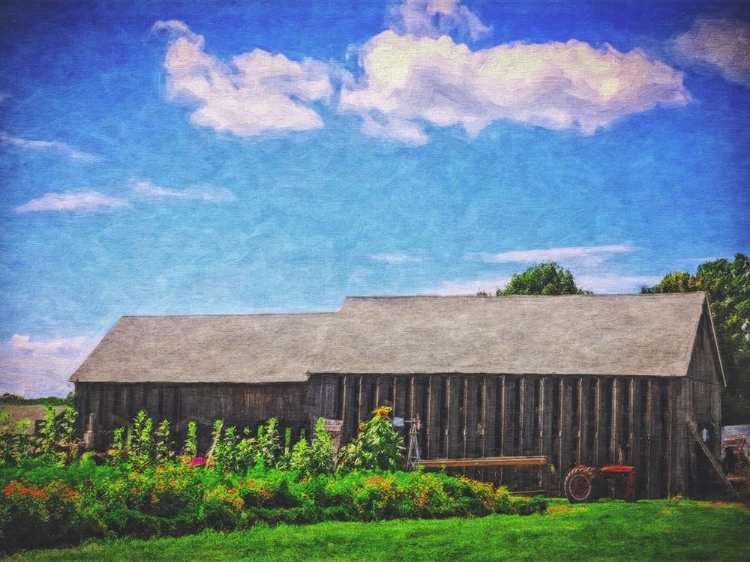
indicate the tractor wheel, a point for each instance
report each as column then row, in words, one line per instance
column 580, row 484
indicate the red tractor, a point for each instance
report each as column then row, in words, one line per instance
column 586, row 484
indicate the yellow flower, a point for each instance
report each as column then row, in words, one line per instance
column 382, row 411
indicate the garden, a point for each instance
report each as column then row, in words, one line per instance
column 146, row 485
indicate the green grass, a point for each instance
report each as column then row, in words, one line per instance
column 671, row 530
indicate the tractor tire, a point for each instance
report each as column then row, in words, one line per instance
column 580, row 484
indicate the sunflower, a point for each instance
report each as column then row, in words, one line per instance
column 382, row 411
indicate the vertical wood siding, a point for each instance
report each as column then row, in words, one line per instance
column 598, row 420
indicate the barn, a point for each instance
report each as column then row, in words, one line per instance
column 628, row 379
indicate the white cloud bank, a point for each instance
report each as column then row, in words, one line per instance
column 583, row 255
column 587, row 263
column 471, row 287
column 433, row 18
column 395, row 259
column 411, row 81
column 414, row 75
column 147, row 190
column 723, row 44
column 49, row 146
column 603, row 284
column 256, row 92
column 37, row 368
column 140, row 191
column 85, row 201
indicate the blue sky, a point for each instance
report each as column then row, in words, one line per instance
column 240, row 157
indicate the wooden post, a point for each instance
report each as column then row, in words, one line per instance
column 634, row 425
column 583, row 414
column 489, row 387
column 399, row 397
column 545, row 417
column 452, row 407
column 360, row 398
column 433, row 428
column 668, row 419
column 527, row 415
column 412, row 405
column 615, row 425
column 656, row 452
column 378, row 398
column 565, row 455
column 509, row 424
column 598, row 419
column 472, row 417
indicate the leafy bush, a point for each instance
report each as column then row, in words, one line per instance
column 53, row 505
column 378, row 445
column 142, row 490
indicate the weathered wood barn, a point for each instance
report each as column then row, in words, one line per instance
column 604, row 379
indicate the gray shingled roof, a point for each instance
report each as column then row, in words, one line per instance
column 650, row 335
column 223, row 348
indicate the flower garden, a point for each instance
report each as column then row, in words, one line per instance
column 145, row 486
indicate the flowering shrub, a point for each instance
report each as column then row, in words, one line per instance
column 47, row 508
column 378, row 445
column 142, row 490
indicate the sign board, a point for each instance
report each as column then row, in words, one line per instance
column 333, row 426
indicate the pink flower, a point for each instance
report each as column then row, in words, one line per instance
column 197, row 461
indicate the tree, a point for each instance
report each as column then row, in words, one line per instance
column 544, row 279
column 727, row 285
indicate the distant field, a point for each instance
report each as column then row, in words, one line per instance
column 672, row 530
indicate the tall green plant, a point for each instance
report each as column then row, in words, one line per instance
column 268, row 448
column 378, row 445
column 15, row 442
column 163, row 445
column 191, row 442
column 118, row 451
column 142, row 441
column 66, row 442
column 44, row 441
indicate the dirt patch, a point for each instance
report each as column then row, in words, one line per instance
column 559, row 509
column 741, row 505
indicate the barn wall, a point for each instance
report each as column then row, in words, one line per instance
column 640, row 421
column 115, row 405
column 636, row 421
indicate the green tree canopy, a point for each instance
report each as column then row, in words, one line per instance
column 727, row 285
column 543, row 279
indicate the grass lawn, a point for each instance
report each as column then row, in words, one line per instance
column 670, row 530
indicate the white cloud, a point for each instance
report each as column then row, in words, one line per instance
column 147, row 190
column 50, row 146
column 615, row 284
column 411, row 81
column 89, row 201
column 395, row 259
column 605, row 283
column 256, row 92
column 723, row 44
column 470, row 287
column 583, row 255
column 433, row 18
column 34, row 368
column 140, row 190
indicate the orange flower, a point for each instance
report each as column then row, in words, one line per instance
column 362, row 427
